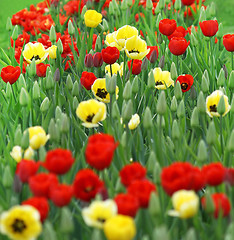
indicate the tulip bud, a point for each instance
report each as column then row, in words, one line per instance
column 209, row 207
column 49, row 82
column 178, row 91
column 173, row 71
column 69, row 82
column 128, row 110
column 71, row 29
column 135, row 85
column 15, row 33
column 96, row 235
column 129, row 3
column 66, row 221
column 18, row 135
column 160, row 121
column 98, row 44
column 59, row 44
column 58, row 113
column 36, row 91
column 57, row 75
column 173, row 104
column 149, row 5
column 161, row 4
column 221, row 78
column 147, row 119
column 231, row 80
column 161, row 232
column 97, row 59
column 181, row 109
column 232, row 105
column 45, row 105
column 75, row 89
column 221, row 106
column 151, row 80
column 202, row 154
column 151, row 161
column 144, row 64
column 177, row 5
column 212, row 10
column 157, row 172
column 230, row 145
column 25, row 140
column 157, row 11
column 202, row 16
column 84, row 9
column 193, row 93
column 195, row 118
column 111, row 8
column 124, row 139
column 219, row 34
column 88, row 60
column 7, row 179
column 161, row 62
column 24, row 97
column 21, row 82
column 170, row 143
column 53, row 131
column 161, row 107
column 32, row 70
column 42, row 153
column 65, row 126
column 204, row 84
column 75, row 103
column 17, row 184
column 190, row 234
column 115, row 111
column 9, row 92
column 201, row 103
column 111, row 84
column 154, row 205
column 48, row 231
column 124, row 5
column 127, row 92
column 9, row 24
column 52, row 34
column 211, row 134
column 194, row 41
column 159, row 17
column 175, row 130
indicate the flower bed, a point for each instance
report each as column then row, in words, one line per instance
column 117, row 122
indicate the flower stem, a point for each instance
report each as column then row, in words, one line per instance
column 232, row 55
column 221, row 134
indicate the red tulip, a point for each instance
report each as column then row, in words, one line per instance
column 100, row 150
column 61, row 195
column 209, row 28
column 178, row 45
column 228, row 42
column 179, row 32
column 186, row 82
column 10, row 74
column 187, row 2
column 26, row 169
column 136, row 67
column 127, row 204
column 97, row 59
column 41, row 204
column 58, row 161
column 41, row 69
column 131, row 172
column 152, row 56
column 88, row 60
column 167, row 26
column 87, row 79
column 110, row 55
column 21, row 40
column 229, row 176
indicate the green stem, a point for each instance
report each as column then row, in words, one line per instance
column 111, row 70
column 221, row 135
column 232, row 55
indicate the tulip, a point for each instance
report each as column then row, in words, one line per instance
column 178, row 45
column 110, row 55
column 167, row 26
column 92, row 18
column 209, row 28
column 228, row 42
column 10, row 74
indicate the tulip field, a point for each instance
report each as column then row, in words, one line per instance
column 117, row 121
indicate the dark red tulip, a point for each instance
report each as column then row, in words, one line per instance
column 178, row 45
column 167, row 26
column 209, row 28
column 186, row 82
column 152, row 56
column 97, row 59
column 87, row 79
column 110, row 55
column 187, row 2
column 88, row 60
column 136, row 67
column 10, row 74
column 228, row 42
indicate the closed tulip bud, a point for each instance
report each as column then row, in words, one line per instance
column 170, row 143
column 18, row 135
column 151, row 161
column 147, row 119
column 52, row 34
column 159, row 17
column 25, row 140
column 230, row 145
column 97, row 59
column 69, row 83
column 201, row 103
column 209, row 207
column 161, row 4
column 181, row 109
column 7, row 179
column 100, row 28
column 211, row 134
column 204, row 84
column 60, row 46
column 21, row 82
column 173, row 71
column 36, row 91
column 32, row 70
column 161, row 107
column 98, row 44
column 58, row 113
column 231, row 80
column 75, row 89
column 105, row 25
column 129, row 3
column 124, row 5
column 53, row 131
column 135, row 85
column 24, row 97
column 124, row 139
column 88, row 60
column 127, row 92
column 57, row 75
column 195, row 118
column 161, row 62
column 9, row 92
column 202, row 16
column 149, row 5
column 111, row 8
column 177, row 5
column 127, row 113
column 66, row 221
column 9, row 26
column 84, row 9
column 49, row 83
column 193, row 93
column 190, row 234
column 173, row 104
column 96, row 235
column 178, row 91
column 111, row 84
column 157, row 172
column 221, row 106
column 15, row 33
column 232, row 105
column 65, row 126
column 161, row 232
column 206, row 75
column 175, row 130
column 42, row 153
column 194, row 41
column 219, row 34
column 115, row 111
column 160, row 121
column 151, row 80
column 212, row 10
column 45, row 105
column 71, row 29
column 157, row 11
column 75, row 103
column 154, row 205
column 48, row 231
column 221, row 78
column 144, row 64
column 202, row 154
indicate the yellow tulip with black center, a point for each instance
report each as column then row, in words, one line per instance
column 116, row 68
column 91, row 112
column 124, row 33
column 162, row 79
column 21, row 223
column 92, row 18
column 212, row 102
column 136, row 48
column 35, row 51
column 99, row 212
column 111, row 41
column 99, row 90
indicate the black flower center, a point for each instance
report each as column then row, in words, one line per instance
column 89, row 189
column 184, row 86
column 213, row 108
column 134, row 51
column 101, row 220
column 159, row 83
column 18, row 225
column 101, row 92
column 35, row 57
column 90, row 117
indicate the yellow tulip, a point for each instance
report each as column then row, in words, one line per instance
column 35, row 51
column 111, row 41
column 162, row 79
column 37, row 137
column 136, row 48
column 134, row 122
column 124, row 33
column 52, row 51
column 91, row 112
column 92, row 18
column 116, row 68
column 212, row 102
column 16, row 153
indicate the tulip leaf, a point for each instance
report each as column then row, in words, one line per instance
column 4, row 57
